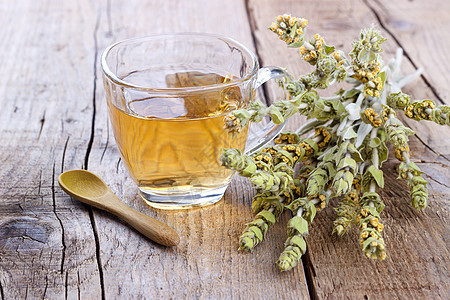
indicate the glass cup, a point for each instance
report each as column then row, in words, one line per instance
column 167, row 97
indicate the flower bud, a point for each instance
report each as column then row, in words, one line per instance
column 398, row 100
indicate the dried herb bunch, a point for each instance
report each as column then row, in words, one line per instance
column 345, row 144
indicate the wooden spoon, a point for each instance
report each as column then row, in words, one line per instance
column 90, row 189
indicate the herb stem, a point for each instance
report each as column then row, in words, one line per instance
column 407, row 79
column 375, row 159
column 308, row 126
column 405, row 157
column 315, row 201
column 331, row 98
column 302, row 106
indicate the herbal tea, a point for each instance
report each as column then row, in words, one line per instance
column 174, row 144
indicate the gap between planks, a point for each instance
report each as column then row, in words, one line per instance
column 88, row 152
column 305, row 261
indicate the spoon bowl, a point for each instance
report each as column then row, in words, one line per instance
column 88, row 188
column 83, row 183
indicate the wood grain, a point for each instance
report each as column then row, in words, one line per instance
column 54, row 118
column 421, row 25
column 206, row 264
column 47, row 247
column 417, row 243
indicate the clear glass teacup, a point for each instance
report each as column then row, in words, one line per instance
column 167, row 98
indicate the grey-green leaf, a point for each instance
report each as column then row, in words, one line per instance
column 375, row 142
column 297, row 44
column 276, row 115
column 300, row 224
column 257, row 232
column 329, row 49
column 349, row 133
column 377, row 175
column 267, row 215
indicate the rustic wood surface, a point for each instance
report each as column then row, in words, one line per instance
column 54, row 118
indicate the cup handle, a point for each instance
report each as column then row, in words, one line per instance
column 258, row 138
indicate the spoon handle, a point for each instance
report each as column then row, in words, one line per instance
column 150, row 227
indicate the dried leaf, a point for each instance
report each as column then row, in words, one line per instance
column 299, row 224
column 350, row 93
column 377, row 174
column 354, row 111
column 299, row 242
column 329, row 49
column 276, row 115
column 362, row 132
column 267, row 215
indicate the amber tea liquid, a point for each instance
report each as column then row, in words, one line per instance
column 173, row 145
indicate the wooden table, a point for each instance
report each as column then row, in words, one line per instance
column 53, row 118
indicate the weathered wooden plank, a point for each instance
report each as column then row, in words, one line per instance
column 48, row 247
column 423, row 27
column 46, row 239
column 420, row 25
column 206, row 264
column 417, row 243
